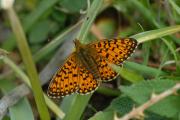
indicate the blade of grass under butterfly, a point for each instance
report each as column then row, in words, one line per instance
column 78, row 102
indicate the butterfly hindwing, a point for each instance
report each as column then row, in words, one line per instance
column 106, row 72
column 87, row 82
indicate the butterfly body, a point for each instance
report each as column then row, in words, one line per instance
column 88, row 66
column 87, row 57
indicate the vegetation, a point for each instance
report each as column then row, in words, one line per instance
column 37, row 36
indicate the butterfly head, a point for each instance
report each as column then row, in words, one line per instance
column 78, row 44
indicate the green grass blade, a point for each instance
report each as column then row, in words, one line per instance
column 77, row 106
column 91, row 14
column 153, row 34
column 175, row 6
column 29, row 64
column 142, row 69
column 173, row 51
column 26, row 80
column 149, row 16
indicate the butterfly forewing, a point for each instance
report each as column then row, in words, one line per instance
column 70, row 78
column 115, row 50
column 65, row 81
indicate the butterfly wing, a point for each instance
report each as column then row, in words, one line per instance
column 65, row 81
column 106, row 72
column 71, row 78
column 115, row 50
column 87, row 82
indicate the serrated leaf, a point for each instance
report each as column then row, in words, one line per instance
column 122, row 104
column 142, row 92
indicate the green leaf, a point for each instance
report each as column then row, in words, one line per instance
column 107, row 115
column 153, row 34
column 74, row 6
column 39, row 33
column 60, row 17
column 6, row 118
column 35, row 15
column 22, row 106
column 67, row 34
column 143, row 69
column 175, row 6
column 75, row 106
column 122, row 104
column 142, row 92
column 128, row 74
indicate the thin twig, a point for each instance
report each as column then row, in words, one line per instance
column 139, row 111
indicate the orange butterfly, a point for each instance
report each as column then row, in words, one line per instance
column 88, row 66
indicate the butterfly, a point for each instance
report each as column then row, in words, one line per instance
column 89, row 65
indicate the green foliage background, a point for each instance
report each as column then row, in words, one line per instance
column 51, row 26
